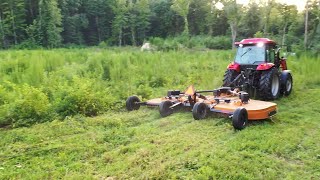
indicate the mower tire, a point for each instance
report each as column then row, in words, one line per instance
column 164, row 108
column 269, row 85
column 240, row 118
column 229, row 76
column 286, row 83
column 132, row 103
column 199, row 111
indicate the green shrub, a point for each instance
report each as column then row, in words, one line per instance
column 30, row 106
column 182, row 39
column 185, row 41
column 27, row 44
column 316, row 50
column 157, row 82
column 144, row 91
column 169, row 45
column 103, row 44
column 157, row 41
column 74, row 46
column 5, row 99
column 258, row 34
column 82, row 96
column 218, row 42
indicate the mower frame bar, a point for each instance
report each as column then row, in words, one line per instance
column 204, row 91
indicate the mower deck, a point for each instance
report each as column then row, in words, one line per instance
column 257, row 110
column 223, row 101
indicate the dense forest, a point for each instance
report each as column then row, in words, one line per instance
column 62, row 23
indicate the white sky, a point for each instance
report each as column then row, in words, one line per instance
column 299, row 3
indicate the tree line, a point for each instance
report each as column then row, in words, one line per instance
column 58, row 23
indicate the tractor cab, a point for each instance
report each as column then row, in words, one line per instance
column 255, row 53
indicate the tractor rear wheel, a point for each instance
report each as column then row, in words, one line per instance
column 164, row 108
column 269, row 85
column 199, row 111
column 229, row 76
column 240, row 118
column 132, row 103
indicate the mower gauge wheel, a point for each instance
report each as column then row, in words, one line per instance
column 240, row 118
column 199, row 111
column 165, row 109
column 132, row 103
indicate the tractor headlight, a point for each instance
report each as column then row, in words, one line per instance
column 260, row 44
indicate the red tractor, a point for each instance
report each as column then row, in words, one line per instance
column 259, row 70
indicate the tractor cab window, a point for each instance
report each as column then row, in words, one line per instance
column 252, row 54
column 270, row 54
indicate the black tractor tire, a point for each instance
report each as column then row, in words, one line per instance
column 131, row 103
column 240, row 118
column 269, row 85
column 164, row 108
column 286, row 83
column 229, row 76
column 199, row 111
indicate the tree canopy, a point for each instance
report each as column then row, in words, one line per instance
column 56, row 23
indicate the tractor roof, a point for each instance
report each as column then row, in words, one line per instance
column 256, row 41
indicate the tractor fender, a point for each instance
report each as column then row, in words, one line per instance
column 265, row 66
column 234, row 66
column 283, row 64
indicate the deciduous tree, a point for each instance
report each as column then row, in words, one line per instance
column 182, row 8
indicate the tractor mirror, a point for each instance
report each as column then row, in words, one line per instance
column 278, row 50
column 278, row 53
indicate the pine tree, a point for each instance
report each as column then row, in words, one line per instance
column 50, row 23
column 162, row 18
column 12, row 22
column 120, row 21
column 100, row 15
column 139, row 14
column 74, row 21
column 2, row 32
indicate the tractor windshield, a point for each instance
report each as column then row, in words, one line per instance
column 250, row 55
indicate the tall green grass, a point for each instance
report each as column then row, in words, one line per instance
column 92, row 81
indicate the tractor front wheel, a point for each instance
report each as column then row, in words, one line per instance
column 164, row 108
column 286, row 83
column 240, row 118
column 132, row 103
column 269, row 86
column 199, row 111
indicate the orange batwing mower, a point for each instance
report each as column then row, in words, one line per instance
column 235, row 104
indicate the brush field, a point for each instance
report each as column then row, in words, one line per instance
column 62, row 116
